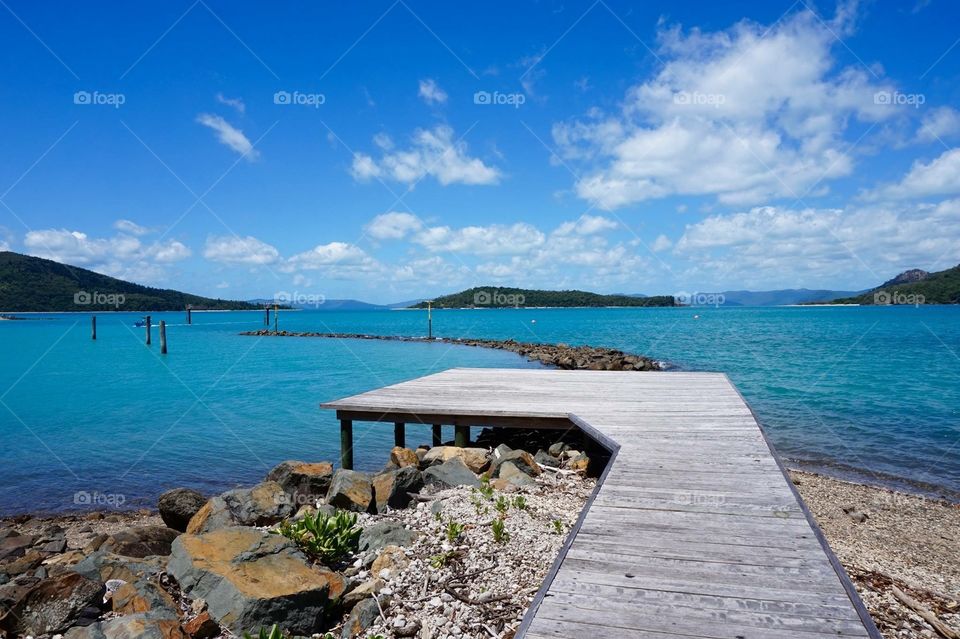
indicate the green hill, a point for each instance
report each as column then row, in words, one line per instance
column 911, row 287
column 504, row 297
column 33, row 284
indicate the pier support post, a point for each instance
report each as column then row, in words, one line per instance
column 93, row 327
column 437, row 434
column 189, row 316
column 266, row 316
column 163, row 337
column 400, row 435
column 461, row 436
column 148, row 330
column 346, row 444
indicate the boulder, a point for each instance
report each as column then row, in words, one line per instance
column 364, row 591
column 144, row 596
column 556, row 449
column 363, row 615
column 103, row 566
column 402, row 457
column 512, row 473
column 350, row 490
column 476, row 459
column 450, row 473
column 579, row 463
column 265, row 504
column 250, row 578
column 546, row 459
column 520, row 458
column 54, row 605
column 393, row 487
column 178, row 506
column 202, row 627
column 306, row 483
column 14, row 546
column 391, row 559
column 139, row 542
column 129, row 627
column 385, row 533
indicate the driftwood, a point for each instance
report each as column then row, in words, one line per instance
column 908, row 601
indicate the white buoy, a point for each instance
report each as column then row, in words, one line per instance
column 696, row 317
column 533, row 321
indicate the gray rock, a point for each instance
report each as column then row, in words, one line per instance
column 511, row 472
column 521, row 459
column 556, row 449
column 393, row 488
column 306, row 483
column 103, row 566
column 178, row 506
column 53, row 605
column 450, row 473
column 142, row 541
column 546, row 459
column 385, row 533
column 265, row 504
column 350, row 490
column 363, row 615
column 138, row 626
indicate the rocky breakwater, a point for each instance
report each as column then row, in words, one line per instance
column 442, row 542
column 560, row 356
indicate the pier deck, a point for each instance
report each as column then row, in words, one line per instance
column 694, row 529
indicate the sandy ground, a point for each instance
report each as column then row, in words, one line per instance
column 886, row 541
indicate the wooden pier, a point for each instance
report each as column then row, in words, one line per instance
column 694, row 530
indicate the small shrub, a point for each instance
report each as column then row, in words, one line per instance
column 273, row 633
column 454, row 530
column 557, row 526
column 520, row 502
column 500, row 534
column 441, row 560
column 326, row 537
column 486, row 489
column 502, row 505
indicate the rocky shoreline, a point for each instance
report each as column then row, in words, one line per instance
column 443, row 542
column 560, row 356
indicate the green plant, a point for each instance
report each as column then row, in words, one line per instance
column 486, row 489
column 327, row 537
column 557, row 526
column 478, row 504
column 273, row 633
column 454, row 530
column 441, row 560
column 438, row 516
column 520, row 502
column 500, row 533
column 502, row 505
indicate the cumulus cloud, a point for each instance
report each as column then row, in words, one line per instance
column 939, row 124
column 433, row 153
column 662, row 243
column 235, row 250
column 494, row 239
column 431, row 93
column 336, row 260
column 229, row 135
column 940, row 176
column 132, row 228
column 746, row 114
column 587, row 225
column 392, row 226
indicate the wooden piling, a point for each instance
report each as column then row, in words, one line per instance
column 346, row 444
column 148, row 330
column 189, row 317
column 399, row 434
column 437, row 435
column 266, row 316
column 163, row 337
column 461, row 436
column 93, row 327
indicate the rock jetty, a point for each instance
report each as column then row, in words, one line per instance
column 560, row 356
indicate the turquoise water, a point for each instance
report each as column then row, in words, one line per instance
column 871, row 390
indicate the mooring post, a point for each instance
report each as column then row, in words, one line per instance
column 276, row 318
column 93, row 327
column 189, row 317
column 429, row 320
column 163, row 337
column 437, row 435
column 399, row 435
column 346, row 444
column 266, row 316
column 461, row 436
column 148, row 330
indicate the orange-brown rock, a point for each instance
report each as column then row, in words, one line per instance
column 402, row 457
column 476, row 459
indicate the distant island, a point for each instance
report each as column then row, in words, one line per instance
column 912, row 287
column 32, row 284
column 505, row 297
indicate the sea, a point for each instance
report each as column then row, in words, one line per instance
column 865, row 393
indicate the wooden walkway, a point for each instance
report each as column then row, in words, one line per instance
column 694, row 529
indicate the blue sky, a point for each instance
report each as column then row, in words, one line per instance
column 391, row 150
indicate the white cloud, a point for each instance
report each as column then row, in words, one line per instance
column 170, row 251
column 4, row 245
column 229, row 135
column 940, row 176
column 431, row 93
column 336, row 260
column 587, row 225
column 744, row 114
column 662, row 243
column 392, row 226
column 132, row 228
column 229, row 249
column 236, row 103
column 939, row 124
column 494, row 239
column 433, row 153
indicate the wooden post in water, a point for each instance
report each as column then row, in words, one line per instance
column 430, row 319
column 189, row 318
column 163, row 337
column 461, row 436
column 148, row 330
column 266, row 316
column 399, row 434
column 276, row 318
column 346, row 444
column 437, row 434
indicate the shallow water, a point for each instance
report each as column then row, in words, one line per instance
column 870, row 390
